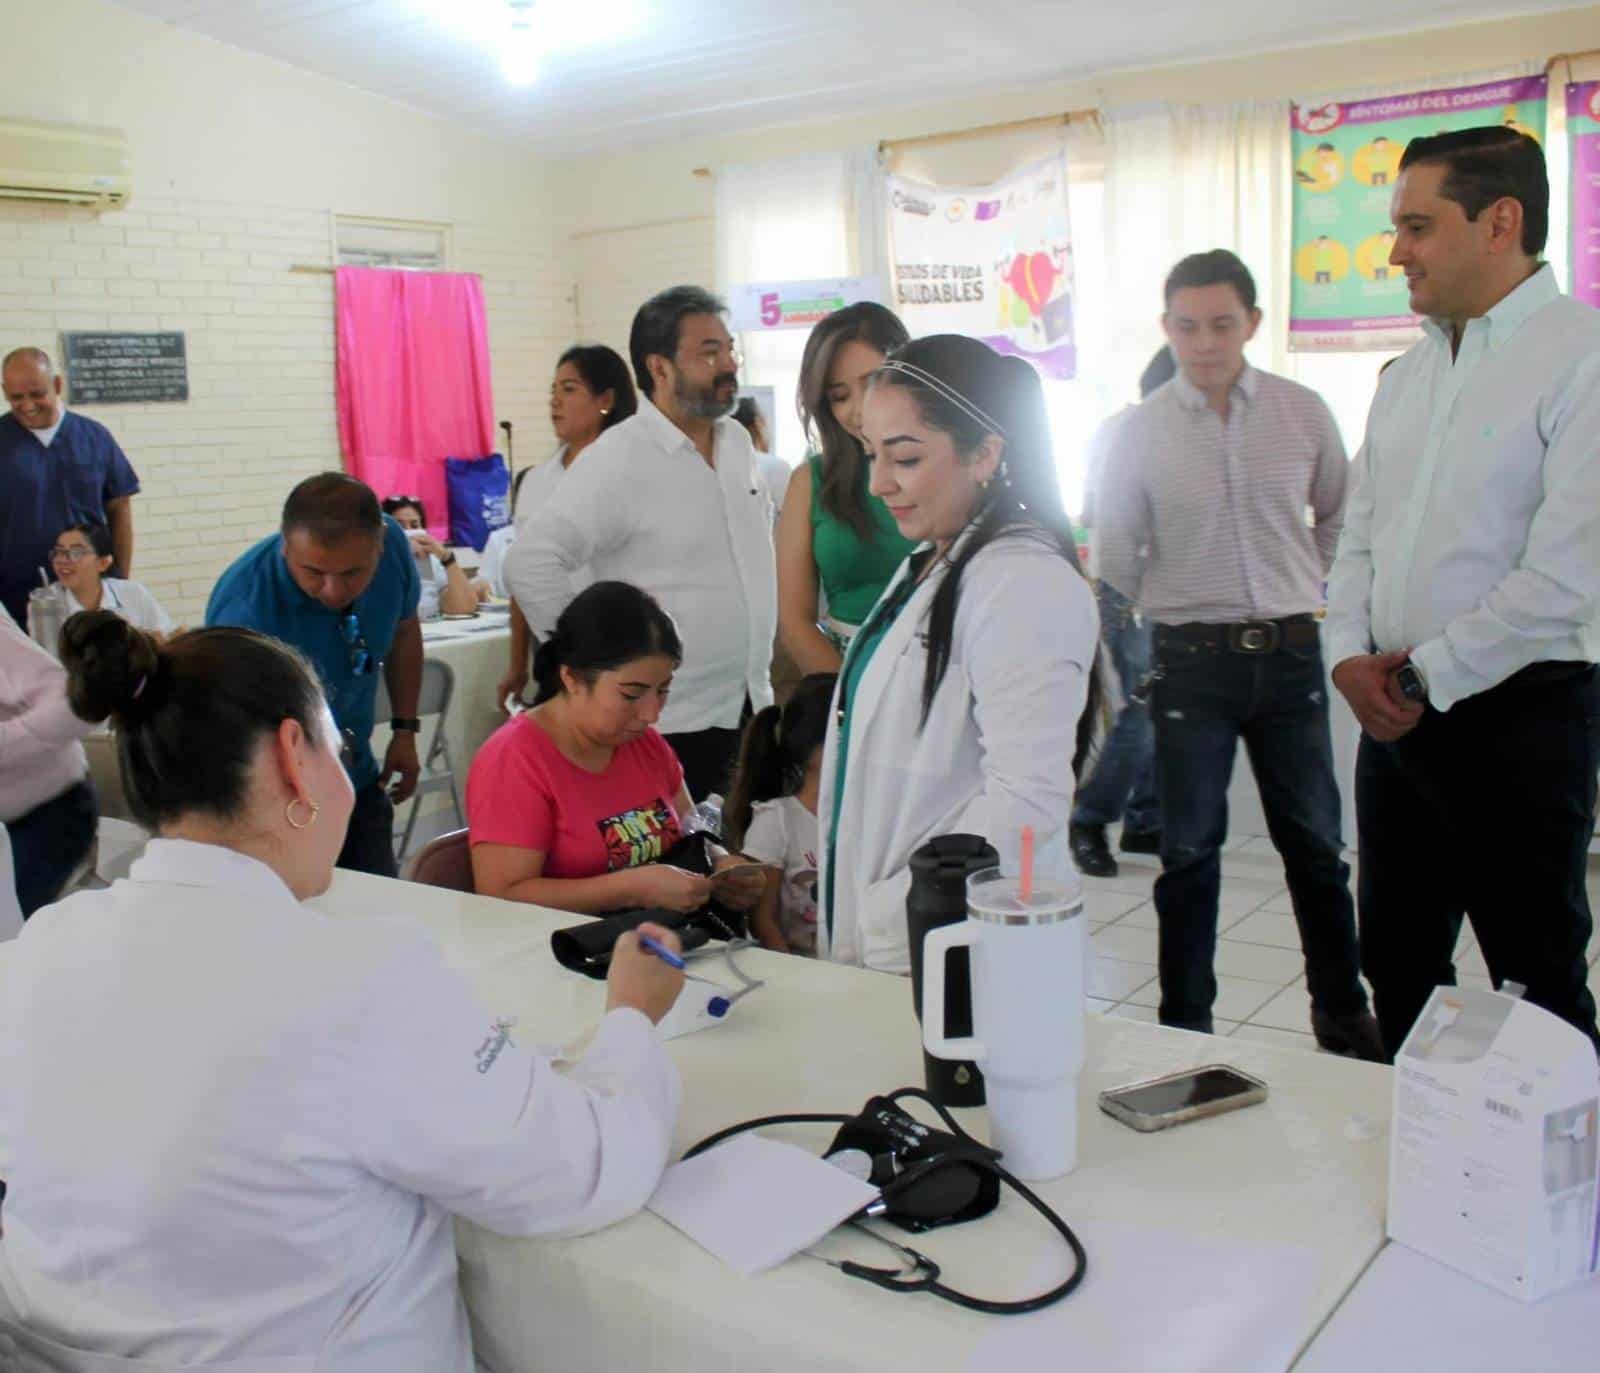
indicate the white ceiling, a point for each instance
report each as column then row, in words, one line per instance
column 634, row 70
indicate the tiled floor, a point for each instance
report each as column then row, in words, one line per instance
column 1261, row 985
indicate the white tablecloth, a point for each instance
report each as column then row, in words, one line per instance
column 1221, row 1245
column 1410, row 1313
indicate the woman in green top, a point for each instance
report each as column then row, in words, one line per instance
column 834, row 538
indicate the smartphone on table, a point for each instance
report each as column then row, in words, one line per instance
column 1158, row 1103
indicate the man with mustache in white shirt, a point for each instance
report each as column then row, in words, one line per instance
column 1463, row 600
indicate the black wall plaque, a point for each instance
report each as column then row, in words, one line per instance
column 112, row 369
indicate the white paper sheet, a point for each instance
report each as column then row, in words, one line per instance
column 754, row 1202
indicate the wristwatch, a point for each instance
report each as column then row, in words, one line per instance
column 449, row 560
column 404, row 723
column 1409, row 680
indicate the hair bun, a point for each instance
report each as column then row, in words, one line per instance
column 113, row 669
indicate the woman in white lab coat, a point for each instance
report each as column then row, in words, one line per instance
column 965, row 702
column 236, row 1130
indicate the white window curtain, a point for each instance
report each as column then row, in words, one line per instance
column 1182, row 179
column 796, row 219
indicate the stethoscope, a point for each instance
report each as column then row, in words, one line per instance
column 723, row 1002
column 919, row 1273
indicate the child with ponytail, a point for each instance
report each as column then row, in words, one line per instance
column 771, row 813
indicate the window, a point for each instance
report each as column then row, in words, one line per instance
column 392, row 243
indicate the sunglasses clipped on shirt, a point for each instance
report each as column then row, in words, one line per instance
column 361, row 660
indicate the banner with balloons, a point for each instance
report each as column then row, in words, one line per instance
column 1344, row 294
column 992, row 261
column 1583, row 143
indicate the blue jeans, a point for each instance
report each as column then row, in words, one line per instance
column 1203, row 703
column 1122, row 784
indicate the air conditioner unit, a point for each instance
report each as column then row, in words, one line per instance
column 66, row 163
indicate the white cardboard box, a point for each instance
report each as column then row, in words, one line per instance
column 1494, row 1156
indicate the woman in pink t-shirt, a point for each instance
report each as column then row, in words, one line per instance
column 571, row 803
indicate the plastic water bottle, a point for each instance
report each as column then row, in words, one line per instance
column 706, row 818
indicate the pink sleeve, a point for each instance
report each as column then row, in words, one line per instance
column 508, row 793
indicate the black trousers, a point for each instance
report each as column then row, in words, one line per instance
column 369, row 841
column 709, row 755
column 1485, row 810
column 50, row 841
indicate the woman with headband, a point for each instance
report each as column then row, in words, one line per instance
column 966, row 700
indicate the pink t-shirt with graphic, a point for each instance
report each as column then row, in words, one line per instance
column 524, row 792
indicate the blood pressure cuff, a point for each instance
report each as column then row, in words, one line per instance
column 586, row 948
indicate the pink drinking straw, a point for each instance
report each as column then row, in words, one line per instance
column 1027, row 864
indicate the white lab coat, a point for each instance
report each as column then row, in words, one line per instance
column 235, row 1130
column 995, row 755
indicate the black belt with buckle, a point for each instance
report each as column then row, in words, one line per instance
column 1254, row 638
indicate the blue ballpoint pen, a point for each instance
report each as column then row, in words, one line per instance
column 661, row 951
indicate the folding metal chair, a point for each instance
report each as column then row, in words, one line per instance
column 438, row 771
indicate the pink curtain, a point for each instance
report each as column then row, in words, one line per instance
column 413, row 380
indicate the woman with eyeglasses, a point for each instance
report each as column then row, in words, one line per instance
column 272, row 1116
column 445, row 589
column 81, row 560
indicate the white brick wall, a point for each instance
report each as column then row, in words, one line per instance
column 619, row 269
column 261, row 353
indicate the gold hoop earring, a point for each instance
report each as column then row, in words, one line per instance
column 288, row 813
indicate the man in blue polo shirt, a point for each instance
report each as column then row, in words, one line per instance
column 56, row 469
column 339, row 583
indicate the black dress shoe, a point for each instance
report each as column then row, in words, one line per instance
column 1353, row 1036
column 1140, row 841
column 1090, row 852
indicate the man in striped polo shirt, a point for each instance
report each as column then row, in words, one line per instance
column 1204, row 525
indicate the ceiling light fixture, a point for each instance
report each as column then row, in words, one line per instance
column 519, row 57
column 523, row 34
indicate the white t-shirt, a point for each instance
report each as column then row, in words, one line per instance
column 775, row 474
column 783, row 834
column 433, row 582
column 133, row 601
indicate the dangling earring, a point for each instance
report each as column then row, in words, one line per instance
column 288, row 813
column 1005, row 474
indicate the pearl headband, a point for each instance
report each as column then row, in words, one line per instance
column 949, row 392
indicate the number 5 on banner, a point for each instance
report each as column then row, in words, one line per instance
column 771, row 315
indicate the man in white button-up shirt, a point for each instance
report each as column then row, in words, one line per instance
column 1463, row 602
column 672, row 502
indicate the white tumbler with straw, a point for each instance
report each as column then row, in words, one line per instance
column 1029, row 943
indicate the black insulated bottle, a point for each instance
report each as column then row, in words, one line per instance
column 938, row 896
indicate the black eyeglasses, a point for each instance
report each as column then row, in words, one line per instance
column 361, row 661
